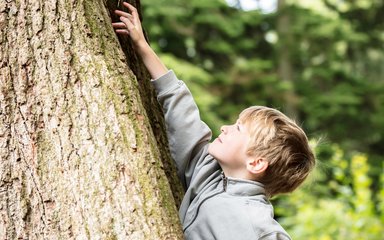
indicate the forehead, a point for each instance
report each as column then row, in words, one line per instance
column 246, row 119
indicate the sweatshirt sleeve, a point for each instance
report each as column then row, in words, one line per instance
column 187, row 134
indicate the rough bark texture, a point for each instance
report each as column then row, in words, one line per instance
column 78, row 156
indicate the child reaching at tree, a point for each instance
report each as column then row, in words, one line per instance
column 228, row 181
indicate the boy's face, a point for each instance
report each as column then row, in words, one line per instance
column 230, row 148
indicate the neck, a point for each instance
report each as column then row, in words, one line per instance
column 236, row 173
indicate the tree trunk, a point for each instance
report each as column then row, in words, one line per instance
column 79, row 158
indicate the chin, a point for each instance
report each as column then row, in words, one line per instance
column 211, row 150
column 214, row 152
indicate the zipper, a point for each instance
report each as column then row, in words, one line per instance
column 198, row 208
column 225, row 180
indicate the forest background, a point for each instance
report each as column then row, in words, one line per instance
column 322, row 63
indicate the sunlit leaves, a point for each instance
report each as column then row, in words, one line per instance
column 346, row 212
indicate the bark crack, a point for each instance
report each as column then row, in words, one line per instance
column 29, row 169
column 32, row 148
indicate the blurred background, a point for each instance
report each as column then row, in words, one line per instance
column 322, row 63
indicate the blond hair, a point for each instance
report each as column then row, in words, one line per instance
column 283, row 144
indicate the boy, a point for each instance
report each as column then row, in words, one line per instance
column 228, row 182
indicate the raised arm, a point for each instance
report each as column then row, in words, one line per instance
column 187, row 134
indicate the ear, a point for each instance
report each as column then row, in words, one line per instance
column 257, row 165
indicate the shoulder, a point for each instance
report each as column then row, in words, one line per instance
column 260, row 215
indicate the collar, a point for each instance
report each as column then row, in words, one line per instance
column 242, row 187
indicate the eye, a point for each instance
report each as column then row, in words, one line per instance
column 238, row 127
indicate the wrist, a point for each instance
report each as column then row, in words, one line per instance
column 142, row 47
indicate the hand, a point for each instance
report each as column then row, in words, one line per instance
column 130, row 24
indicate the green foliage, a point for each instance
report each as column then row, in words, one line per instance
column 343, row 208
column 334, row 81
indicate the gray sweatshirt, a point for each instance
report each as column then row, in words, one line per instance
column 214, row 206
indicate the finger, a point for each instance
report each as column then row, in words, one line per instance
column 128, row 24
column 135, row 16
column 123, row 14
column 131, row 8
column 122, row 31
column 118, row 25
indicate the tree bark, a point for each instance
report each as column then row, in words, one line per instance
column 79, row 158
